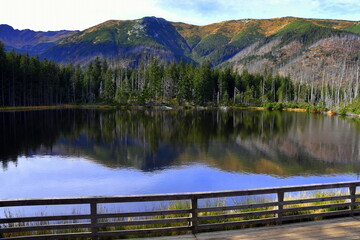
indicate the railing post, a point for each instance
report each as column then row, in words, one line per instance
column 93, row 214
column 280, row 207
column 1, row 234
column 352, row 190
column 194, row 214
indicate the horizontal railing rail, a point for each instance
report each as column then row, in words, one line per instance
column 203, row 211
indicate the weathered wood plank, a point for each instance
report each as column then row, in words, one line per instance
column 144, row 222
column 194, row 214
column 343, row 228
column 313, row 215
column 44, row 218
column 144, row 231
column 237, row 215
column 312, row 200
column 93, row 213
column 280, row 206
column 235, row 224
column 238, row 207
column 88, row 200
column 316, row 207
column 143, row 214
column 46, row 227
column 52, row 236
column 276, row 189
column 169, row 197
column 352, row 191
column 340, row 228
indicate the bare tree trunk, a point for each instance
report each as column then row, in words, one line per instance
column 340, row 81
column 312, row 92
column 274, row 90
column 356, row 90
column 322, row 87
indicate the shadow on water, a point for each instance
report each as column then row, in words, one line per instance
column 266, row 142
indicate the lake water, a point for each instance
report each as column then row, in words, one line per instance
column 57, row 153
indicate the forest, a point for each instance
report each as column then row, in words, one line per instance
column 28, row 81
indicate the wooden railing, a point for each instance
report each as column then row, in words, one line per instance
column 283, row 204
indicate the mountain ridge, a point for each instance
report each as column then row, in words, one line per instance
column 32, row 42
column 277, row 44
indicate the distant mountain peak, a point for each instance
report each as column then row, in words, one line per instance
column 6, row 28
column 154, row 19
column 29, row 41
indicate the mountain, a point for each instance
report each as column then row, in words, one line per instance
column 306, row 49
column 311, row 49
column 123, row 41
column 28, row 41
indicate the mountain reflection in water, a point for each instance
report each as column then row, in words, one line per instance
column 274, row 143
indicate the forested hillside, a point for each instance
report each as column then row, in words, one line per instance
column 307, row 50
column 29, row 81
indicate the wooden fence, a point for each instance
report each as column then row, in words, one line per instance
column 282, row 205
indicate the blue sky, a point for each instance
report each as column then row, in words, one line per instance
column 81, row 14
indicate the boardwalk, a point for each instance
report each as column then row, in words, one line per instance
column 341, row 228
column 317, row 201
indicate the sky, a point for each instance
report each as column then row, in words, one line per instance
column 44, row 15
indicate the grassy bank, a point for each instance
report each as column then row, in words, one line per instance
column 352, row 110
column 267, row 106
column 65, row 106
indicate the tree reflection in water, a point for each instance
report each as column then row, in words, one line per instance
column 268, row 142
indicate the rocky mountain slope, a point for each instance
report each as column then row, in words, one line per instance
column 306, row 49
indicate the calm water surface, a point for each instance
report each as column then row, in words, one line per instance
column 60, row 153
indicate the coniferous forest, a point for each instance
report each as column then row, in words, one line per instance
column 28, row 81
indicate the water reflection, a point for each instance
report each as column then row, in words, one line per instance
column 273, row 143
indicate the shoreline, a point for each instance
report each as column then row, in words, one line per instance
column 164, row 107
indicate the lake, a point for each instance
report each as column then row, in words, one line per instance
column 57, row 153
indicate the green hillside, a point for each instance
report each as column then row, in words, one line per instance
column 122, row 39
column 305, row 32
